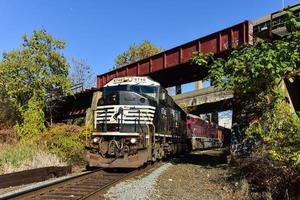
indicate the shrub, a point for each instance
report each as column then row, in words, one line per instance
column 62, row 143
column 8, row 136
column 65, row 140
column 279, row 129
column 33, row 119
column 268, row 177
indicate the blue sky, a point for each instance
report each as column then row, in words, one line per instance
column 99, row 30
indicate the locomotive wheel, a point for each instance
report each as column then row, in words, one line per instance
column 154, row 158
column 154, row 155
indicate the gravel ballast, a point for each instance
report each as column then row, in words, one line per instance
column 137, row 188
column 199, row 175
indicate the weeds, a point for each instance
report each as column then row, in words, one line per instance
column 26, row 155
column 61, row 145
column 67, row 141
column 269, row 178
column 8, row 136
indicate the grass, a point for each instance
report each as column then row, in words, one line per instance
column 14, row 155
column 26, row 155
column 60, row 145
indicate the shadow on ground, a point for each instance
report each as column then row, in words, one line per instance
column 207, row 158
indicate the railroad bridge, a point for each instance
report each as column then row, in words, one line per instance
column 173, row 68
column 206, row 100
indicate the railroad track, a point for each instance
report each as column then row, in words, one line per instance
column 32, row 176
column 87, row 186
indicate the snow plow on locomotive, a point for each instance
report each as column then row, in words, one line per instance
column 136, row 121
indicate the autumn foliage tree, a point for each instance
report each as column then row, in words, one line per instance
column 137, row 52
column 28, row 75
column 255, row 73
column 267, row 148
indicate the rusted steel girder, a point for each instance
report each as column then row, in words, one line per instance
column 174, row 63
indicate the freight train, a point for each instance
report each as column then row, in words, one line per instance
column 136, row 121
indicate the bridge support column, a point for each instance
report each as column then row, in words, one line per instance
column 90, row 111
column 178, row 89
column 215, row 118
column 198, row 85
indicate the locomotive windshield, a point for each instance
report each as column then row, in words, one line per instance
column 150, row 91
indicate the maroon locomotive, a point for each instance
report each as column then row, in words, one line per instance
column 203, row 134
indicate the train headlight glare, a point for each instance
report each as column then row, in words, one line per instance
column 133, row 140
column 95, row 140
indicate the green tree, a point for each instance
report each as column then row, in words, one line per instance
column 255, row 73
column 30, row 73
column 136, row 52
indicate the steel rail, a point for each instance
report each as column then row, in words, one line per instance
column 32, row 176
column 98, row 193
column 85, row 186
column 23, row 193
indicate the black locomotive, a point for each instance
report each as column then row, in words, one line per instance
column 136, row 121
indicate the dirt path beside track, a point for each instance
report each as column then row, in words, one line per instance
column 199, row 175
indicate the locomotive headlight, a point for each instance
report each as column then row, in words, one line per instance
column 142, row 100
column 133, row 140
column 96, row 139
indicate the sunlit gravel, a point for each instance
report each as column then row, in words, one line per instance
column 138, row 188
